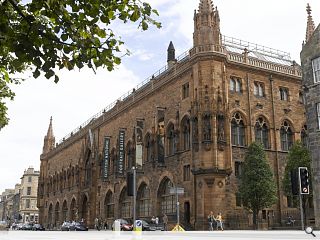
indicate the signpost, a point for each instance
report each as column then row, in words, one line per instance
column 177, row 191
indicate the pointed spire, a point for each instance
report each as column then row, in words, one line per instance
column 310, row 24
column 171, row 53
column 205, row 6
column 49, row 139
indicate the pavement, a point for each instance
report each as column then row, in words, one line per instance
column 108, row 235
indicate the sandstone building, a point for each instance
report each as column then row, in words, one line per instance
column 310, row 60
column 187, row 126
column 28, row 209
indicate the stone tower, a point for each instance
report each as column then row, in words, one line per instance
column 49, row 140
column 206, row 25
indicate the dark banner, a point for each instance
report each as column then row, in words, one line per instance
column 121, row 151
column 106, row 157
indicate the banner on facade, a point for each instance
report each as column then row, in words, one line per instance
column 106, row 157
column 138, row 140
column 121, row 151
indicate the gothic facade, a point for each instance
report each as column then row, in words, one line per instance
column 188, row 127
column 310, row 60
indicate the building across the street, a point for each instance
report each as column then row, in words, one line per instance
column 187, row 126
column 310, row 60
column 6, row 205
column 28, row 209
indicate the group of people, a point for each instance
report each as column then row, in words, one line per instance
column 215, row 220
column 155, row 220
column 100, row 224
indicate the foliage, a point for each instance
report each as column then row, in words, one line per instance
column 46, row 36
column 299, row 156
column 257, row 187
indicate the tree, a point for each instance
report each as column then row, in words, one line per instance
column 46, row 36
column 298, row 156
column 257, row 185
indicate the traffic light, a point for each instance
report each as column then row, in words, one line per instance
column 130, row 186
column 304, row 180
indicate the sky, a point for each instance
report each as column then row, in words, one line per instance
column 81, row 94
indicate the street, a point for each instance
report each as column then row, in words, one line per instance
column 107, row 235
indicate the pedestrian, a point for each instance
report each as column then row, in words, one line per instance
column 210, row 221
column 96, row 223
column 105, row 224
column 165, row 221
column 153, row 219
column 157, row 221
column 219, row 221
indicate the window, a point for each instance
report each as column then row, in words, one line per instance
column 186, row 133
column 301, row 98
column 185, row 90
column 286, row 136
column 318, row 114
column 304, row 136
column 237, row 130
column 109, row 205
column 149, row 149
column 125, row 204
column 238, row 168
column 29, row 191
column 27, row 203
column 262, row 132
column 316, row 70
column 258, row 89
column 186, row 173
column 171, row 140
column 235, row 85
column 168, row 200
column 144, row 202
column 238, row 200
column 29, row 179
column 284, row 94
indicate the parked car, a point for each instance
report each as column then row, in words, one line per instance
column 145, row 225
column 38, row 227
column 73, row 226
column 27, row 226
column 19, row 226
column 124, row 225
column 156, row 227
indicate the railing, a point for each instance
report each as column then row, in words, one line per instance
column 233, row 57
column 181, row 58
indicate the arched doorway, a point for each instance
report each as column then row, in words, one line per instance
column 50, row 215
column 84, row 208
column 187, row 212
column 73, row 210
column 109, row 206
column 57, row 215
column 64, row 211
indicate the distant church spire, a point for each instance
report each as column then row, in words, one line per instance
column 206, row 25
column 49, row 140
column 310, row 24
column 171, row 59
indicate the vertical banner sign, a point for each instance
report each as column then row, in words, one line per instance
column 121, row 151
column 106, row 157
column 138, row 146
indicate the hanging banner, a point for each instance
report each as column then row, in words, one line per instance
column 138, row 135
column 121, row 151
column 106, row 157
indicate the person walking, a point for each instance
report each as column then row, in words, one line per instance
column 165, row 221
column 210, row 221
column 219, row 221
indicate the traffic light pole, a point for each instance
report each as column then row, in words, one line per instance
column 134, row 197
column 300, row 199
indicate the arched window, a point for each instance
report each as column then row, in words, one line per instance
column 262, row 132
column 144, row 202
column 130, row 155
column 237, row 130
column 171, row 139
column 304, row 136
column 232, row 85
column 73, row 210
column 64, row 211
column 50, row 214
column 57, row 214
column 149, row 147
column 109, row 205
column 87, row 179
column 286, row 136
column 167, row 200
column 185, row 125
column 125, row 204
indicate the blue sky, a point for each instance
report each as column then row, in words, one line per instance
column 79, row 95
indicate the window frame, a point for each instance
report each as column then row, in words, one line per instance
column 318, row 114
column 284, row 94
column 316, row 70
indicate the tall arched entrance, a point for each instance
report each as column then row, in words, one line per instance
column 73, row 211
column 64, row 211
column 84, row 209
